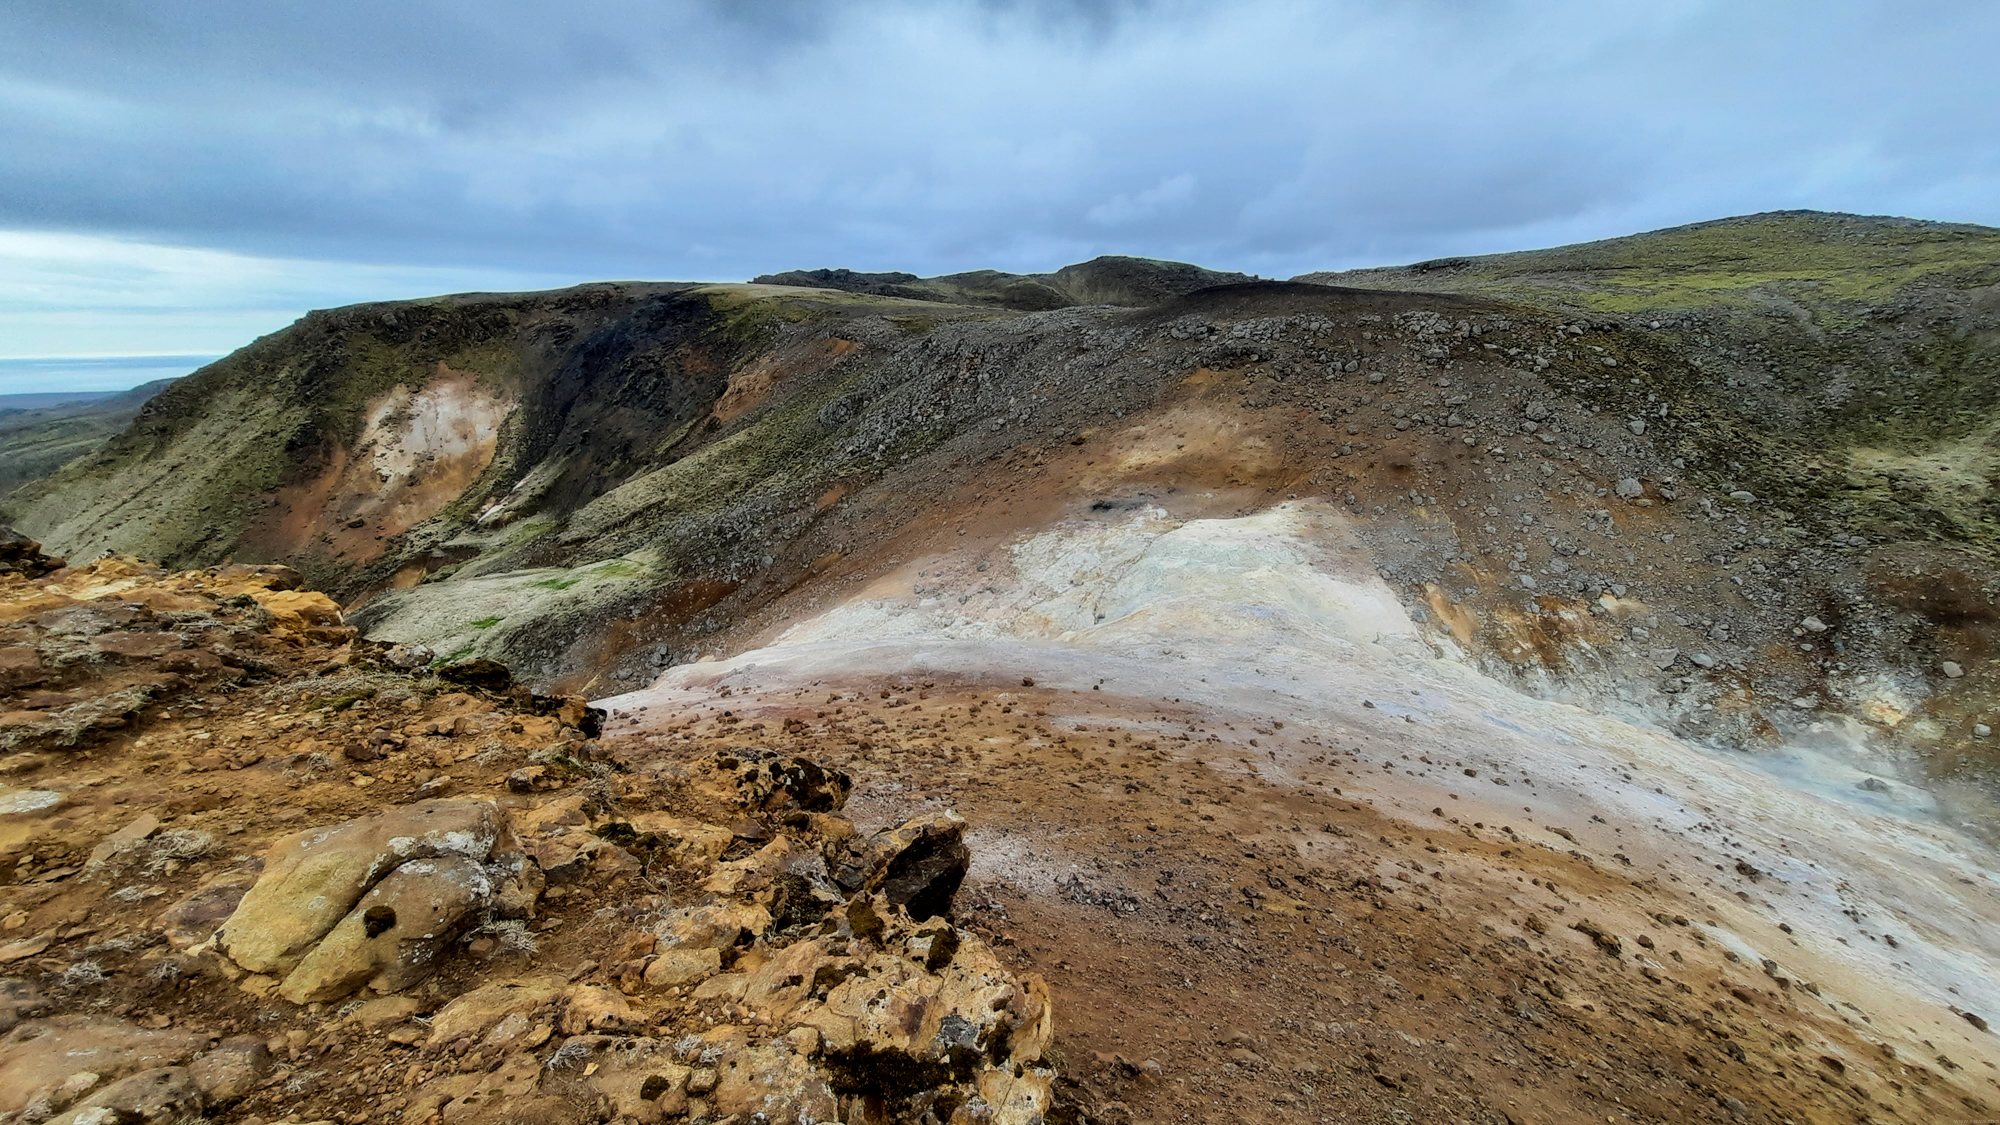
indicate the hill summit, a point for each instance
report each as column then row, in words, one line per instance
column 1533, row 687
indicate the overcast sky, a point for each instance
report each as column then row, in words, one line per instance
column 177, row 178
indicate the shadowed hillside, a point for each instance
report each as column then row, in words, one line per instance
column 1584, row 467
column 1543, row 687
column 39, row 437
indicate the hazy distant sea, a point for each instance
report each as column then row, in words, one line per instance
column 85, row 375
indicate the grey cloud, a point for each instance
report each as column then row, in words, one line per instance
column 722, row 139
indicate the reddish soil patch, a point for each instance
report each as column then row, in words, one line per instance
column 1222, row 947
column 418, row 452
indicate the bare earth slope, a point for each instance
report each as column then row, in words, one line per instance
column 1650, row 583
column 1236, row 895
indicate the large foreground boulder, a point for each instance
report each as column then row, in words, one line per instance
column 376, row 901
column 393, row 937
column 798, row 971
column 841, row 1009
column 313, row 879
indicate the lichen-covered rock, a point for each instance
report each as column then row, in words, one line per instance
column 394, row 935
column 762, row 987
column 640, row 1077
column 945, row 1010
column 911, row 1018
column 686, row 843
column 517, row 883
column 312, row 879
column 737, row 1076
column 589, row 1008
column 680, row 966
column 713, row 925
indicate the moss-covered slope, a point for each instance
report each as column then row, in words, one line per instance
column 1846, row 365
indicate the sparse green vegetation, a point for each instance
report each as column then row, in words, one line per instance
column 914, row 325
column 1802, row 258
column 1818, row 360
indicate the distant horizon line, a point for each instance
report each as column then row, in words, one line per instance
column 110, row 355
column 86, row 376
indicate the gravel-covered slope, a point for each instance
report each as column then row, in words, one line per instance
column 1753, row 507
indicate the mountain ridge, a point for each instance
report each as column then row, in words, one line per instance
column 1106, row 280
column 1543, row 689
column 690, row 456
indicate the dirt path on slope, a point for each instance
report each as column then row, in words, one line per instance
column 1220, row 945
